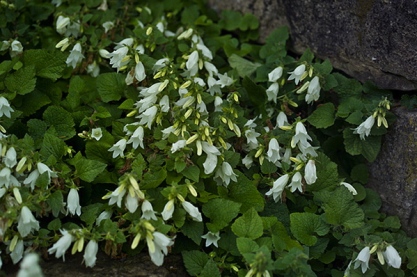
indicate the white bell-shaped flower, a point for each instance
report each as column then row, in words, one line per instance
column 10, row 159
column 75, row 56
column 26, row 222
column 147, row 211
column 158, row 245
column 273, row 151
column 62, row 245
column 313, row 91
column 168, row 210
column 5, row 108
column 137, row 138
column 275, row 74
column 297, row 74
column 73, row 202
column 192, row 211
column 392, row 257
column 310, row 172
column 278, row 187
column 363, row 259
column 364, row 129
column 90, row 253
column 118, row 148
column 296, row 182
column 211, row 238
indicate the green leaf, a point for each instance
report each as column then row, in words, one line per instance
column 210, row 270
column 329, row 82
column 128, row 104
column 412, row 253
column 192, row 173
column 392, row 223
column 340, row 208
column 90, row 213
column 22, row 81
column 76, row 86
column 227, row 242
column 246, row 245
column 296, row 262
column 323, row 68
column 62, row 121
column 348, row 106
column 355, row 118
column 32, row 102
column 98, row 150
column 249, row 21
column 231, row 20
column 371, row 204
column 327, row 174
column 43, row 181
column 87, row 170
column 275, row 46
column 323, row 116
column 138, row 166
column 281, row 240
column 268, row 168
column 307, row 56
column 153, row 180
column 54, row 225
column 36, row 128
column 249, row 225
column 55, row 201
column 48, row 64
column 243, row 66
column 194, row 261
column 5, row 66
column 245, row 192
column 304, row 226
column 347, row 86
column 180, row 165
column 52, row 146
column 221, row 212
column 194, row 230
column 111, row 86
column 368, row 147
column 256, row 94
column 360, row 173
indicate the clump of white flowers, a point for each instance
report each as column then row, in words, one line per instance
column 385, row 253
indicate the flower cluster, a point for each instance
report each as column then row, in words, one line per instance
column 158, row 129
column 389, row 255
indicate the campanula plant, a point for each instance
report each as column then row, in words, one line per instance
column 160, row 126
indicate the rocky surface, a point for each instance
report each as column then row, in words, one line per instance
column 394, row 173
column 372, row 40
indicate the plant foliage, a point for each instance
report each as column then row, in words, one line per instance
column 160, row 126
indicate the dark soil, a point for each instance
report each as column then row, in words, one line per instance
column 138, row 265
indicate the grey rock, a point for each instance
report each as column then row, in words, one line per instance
column 370, row 40
column 394, row 173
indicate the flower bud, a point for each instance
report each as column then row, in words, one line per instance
column 13, row 242
column 149, row 31
column 192, row 190
column 163, row 85
column 186, row 84
column 188, row 113
column 17, row 195
column 21, row 164
column 179, row 196
column 136, row 241
column 192, row 139
column 303, row 87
